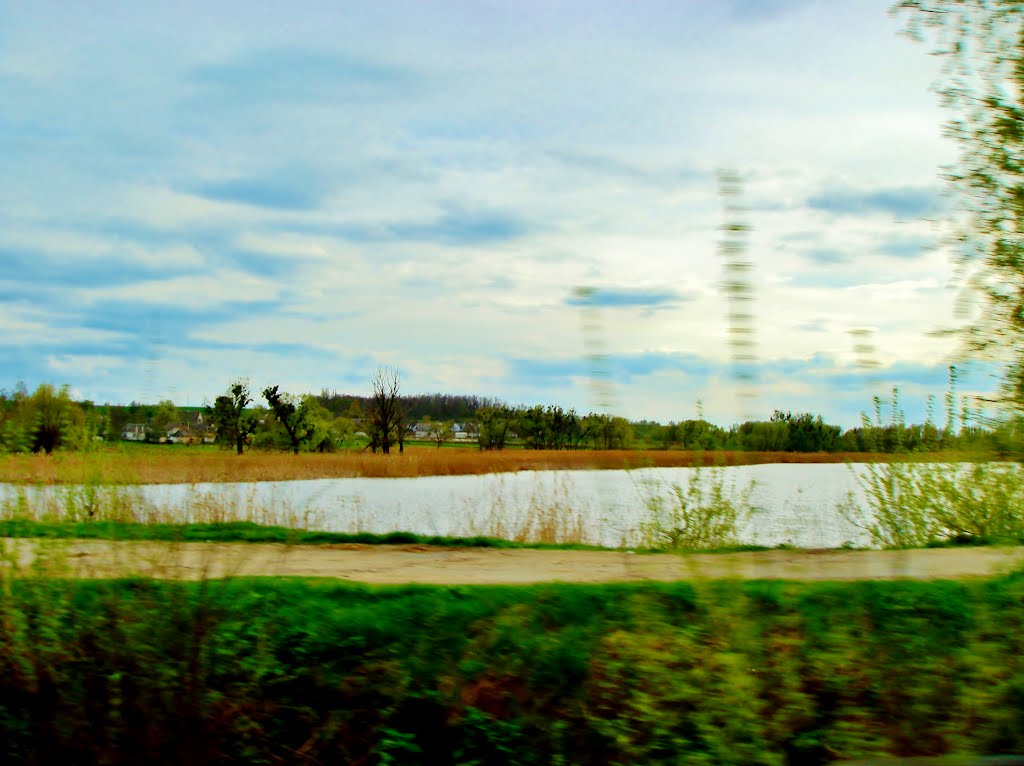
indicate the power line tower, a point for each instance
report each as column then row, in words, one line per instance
column 738, row 288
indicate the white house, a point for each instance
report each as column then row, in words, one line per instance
column 134, row 432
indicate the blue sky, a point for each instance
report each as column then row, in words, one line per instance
column 193, row 192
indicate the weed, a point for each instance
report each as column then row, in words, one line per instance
column 707, row 511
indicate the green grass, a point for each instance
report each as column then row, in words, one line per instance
column 249, row 532
column 297, row 671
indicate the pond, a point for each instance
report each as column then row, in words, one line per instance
column 794, row 503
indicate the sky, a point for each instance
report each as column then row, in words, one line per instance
column 298, row 194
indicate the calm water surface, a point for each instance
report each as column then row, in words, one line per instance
column 796, row 503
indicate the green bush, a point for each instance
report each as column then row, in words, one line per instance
column 915, row 504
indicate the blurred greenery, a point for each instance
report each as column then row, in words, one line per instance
column 290, row 671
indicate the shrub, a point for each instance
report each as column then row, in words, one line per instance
column 705, row 512
column 914, row 504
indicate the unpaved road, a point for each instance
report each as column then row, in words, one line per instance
column 386, row 564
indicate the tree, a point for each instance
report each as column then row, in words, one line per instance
column 805, row 432
column 56, row 419
column 387, row 420
column 534, row 427
column 293, row 415
column 16, row 430
column 328, row 431
column 441, row 432
column 164, row 416
column 607, row 432
column 234, row 425
column 493, row 423
column 981, row 43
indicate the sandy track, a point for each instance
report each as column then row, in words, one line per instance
column 385, row 564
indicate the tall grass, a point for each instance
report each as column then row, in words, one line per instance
column 548, row 516
column 105, row 503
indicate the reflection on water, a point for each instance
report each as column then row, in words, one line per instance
column 796, row 503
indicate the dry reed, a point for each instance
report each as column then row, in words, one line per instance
column 547, row 517
column 121, row 504
column 192, row 465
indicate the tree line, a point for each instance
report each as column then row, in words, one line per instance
column 49, row 419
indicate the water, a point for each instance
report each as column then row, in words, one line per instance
column 795, row 503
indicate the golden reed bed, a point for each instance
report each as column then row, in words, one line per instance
column 189, row 465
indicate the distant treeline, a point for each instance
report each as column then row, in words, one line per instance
column 437, row 407
column 49, row 418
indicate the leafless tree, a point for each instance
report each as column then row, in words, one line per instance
column 387, row 420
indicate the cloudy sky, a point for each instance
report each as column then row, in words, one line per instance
column 299, row 193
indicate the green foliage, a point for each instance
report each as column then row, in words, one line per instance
column 807, row 433
column 550, row 427
column 441, row 432
column 981, row 45
column 915, row 504
column 897, row 515
column 704, row 513
column 294, row 415
column 761, row 436
column 328, row 432
column 602, row 430
column 14, row 437
column 165, row 415
column 234, row 425
column 44, row 421
column 278, row 671
column 494, row 423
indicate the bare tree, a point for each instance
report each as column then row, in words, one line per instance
column 387, row 420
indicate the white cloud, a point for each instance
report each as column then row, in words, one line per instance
column 192, row 292
column 87, row 365
column 285, row 244
column 26, row 327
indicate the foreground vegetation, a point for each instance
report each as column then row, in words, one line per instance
column 278, row 671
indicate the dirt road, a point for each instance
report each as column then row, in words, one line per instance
column 382, row 564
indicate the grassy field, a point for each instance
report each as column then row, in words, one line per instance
column 289, row 671
column 160, row 464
